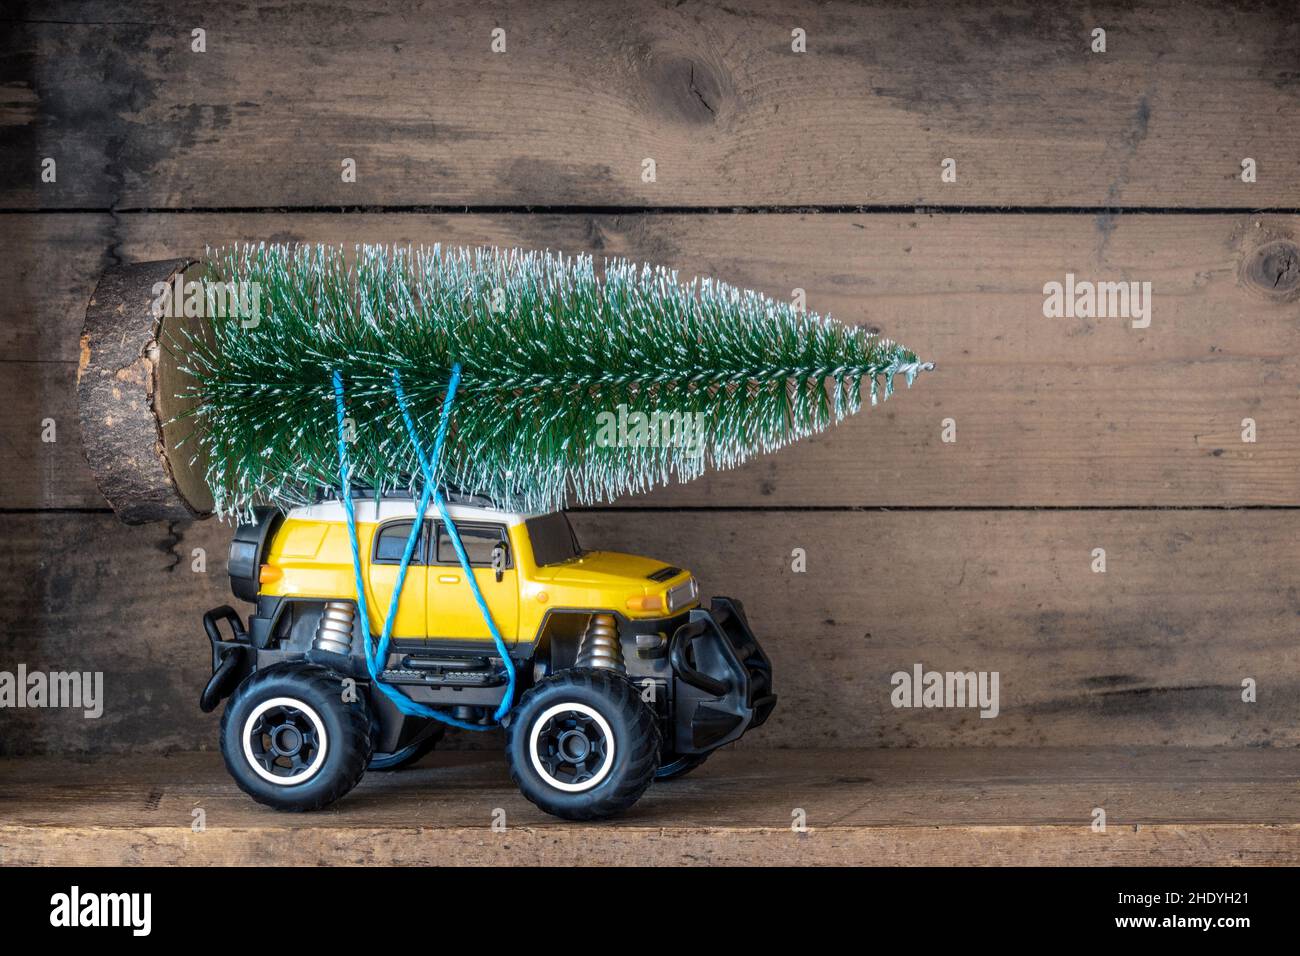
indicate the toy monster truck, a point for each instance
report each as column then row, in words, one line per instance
column 623, row 676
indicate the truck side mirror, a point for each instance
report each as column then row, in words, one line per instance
column 499, row 561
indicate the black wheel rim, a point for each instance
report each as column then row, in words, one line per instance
column 572, row 747
column 284, row 741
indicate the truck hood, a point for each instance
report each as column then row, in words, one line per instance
column 600, row 569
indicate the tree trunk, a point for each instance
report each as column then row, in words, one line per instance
column 128, row 388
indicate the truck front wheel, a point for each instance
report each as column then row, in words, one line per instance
column 582, row 744
column 290, row 739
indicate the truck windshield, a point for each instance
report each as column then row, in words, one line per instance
column 553, row 539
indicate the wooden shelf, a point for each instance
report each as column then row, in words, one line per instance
column 929, row 807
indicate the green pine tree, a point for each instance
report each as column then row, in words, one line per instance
column 547, row 343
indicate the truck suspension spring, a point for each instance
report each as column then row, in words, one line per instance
column 600, row 646
column 334, row 632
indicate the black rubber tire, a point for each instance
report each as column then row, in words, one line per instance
column 408, row 756
column 635, row 737
column 346, row 727
column 679, row 766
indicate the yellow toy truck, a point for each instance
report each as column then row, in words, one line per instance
column 623, row 677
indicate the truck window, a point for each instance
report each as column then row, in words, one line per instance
column 479, row 540
column 553, row 539
column 390, row 543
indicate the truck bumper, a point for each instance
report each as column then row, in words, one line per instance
column 232, row 660
column 722, row 680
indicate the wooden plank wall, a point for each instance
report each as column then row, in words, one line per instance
column 774, row 170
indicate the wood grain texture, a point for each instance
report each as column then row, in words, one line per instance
column 585, row 92
column 1154, row 651
column 1049, row 411
column 952, row 807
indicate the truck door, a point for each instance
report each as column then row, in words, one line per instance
column 453, row 611
column 385, row 556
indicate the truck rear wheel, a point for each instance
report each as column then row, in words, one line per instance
column 582, row 744
column 289, row 739
column 679, row 766
column 412, row 754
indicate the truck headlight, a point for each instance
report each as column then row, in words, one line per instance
column 682, row 595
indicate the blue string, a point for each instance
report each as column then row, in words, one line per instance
column 381, row 654
column 426, row 466
column 377, row 655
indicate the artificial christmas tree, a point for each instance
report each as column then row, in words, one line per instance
column 550, row 352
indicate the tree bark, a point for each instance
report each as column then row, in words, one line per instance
column 128, row 390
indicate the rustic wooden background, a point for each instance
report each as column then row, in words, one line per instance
column 776, row 170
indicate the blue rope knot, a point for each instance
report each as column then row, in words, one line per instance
column 376, row 656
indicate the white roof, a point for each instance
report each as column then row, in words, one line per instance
column 370, row 512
